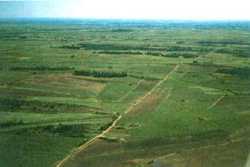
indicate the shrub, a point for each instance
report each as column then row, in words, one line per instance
column 11, row 123
column 75, row 47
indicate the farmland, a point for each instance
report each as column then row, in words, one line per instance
column 91, row 93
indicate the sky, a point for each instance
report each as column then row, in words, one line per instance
column 129, row 9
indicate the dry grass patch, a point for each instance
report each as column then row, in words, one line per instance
column 66, row 80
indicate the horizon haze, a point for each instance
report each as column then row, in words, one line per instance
column 111, row 9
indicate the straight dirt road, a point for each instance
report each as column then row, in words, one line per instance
column 129, row 109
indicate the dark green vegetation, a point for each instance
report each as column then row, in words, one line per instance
column 63, row 82
column 101, row 74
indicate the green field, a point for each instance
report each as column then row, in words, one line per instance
column 160, row 94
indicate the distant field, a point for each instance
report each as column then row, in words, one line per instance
column 180, row 93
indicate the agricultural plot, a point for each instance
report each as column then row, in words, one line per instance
column 87, row 93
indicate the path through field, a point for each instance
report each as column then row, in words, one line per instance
column 130, row 108
column 216, row 102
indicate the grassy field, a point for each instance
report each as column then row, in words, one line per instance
column 179, row 92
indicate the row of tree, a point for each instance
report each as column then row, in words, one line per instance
column 102, row 74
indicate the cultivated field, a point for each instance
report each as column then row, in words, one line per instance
column 93, row 93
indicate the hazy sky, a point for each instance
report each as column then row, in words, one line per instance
column 138, row 9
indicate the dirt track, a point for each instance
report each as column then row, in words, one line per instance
column 130, row 108
column 216, row 102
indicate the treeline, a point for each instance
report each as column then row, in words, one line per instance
column 134, row 49
column 212, row 43
column 101, row 74
column 12, row 104
column 69, row 130
column 235, row 51
column 74, row 47
column 10, row 123
column 59, row 129
column 173, row 54
column 121, row 30
column 120, row 52
column 243, row 73
column 162, row 54
column 115, row 47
